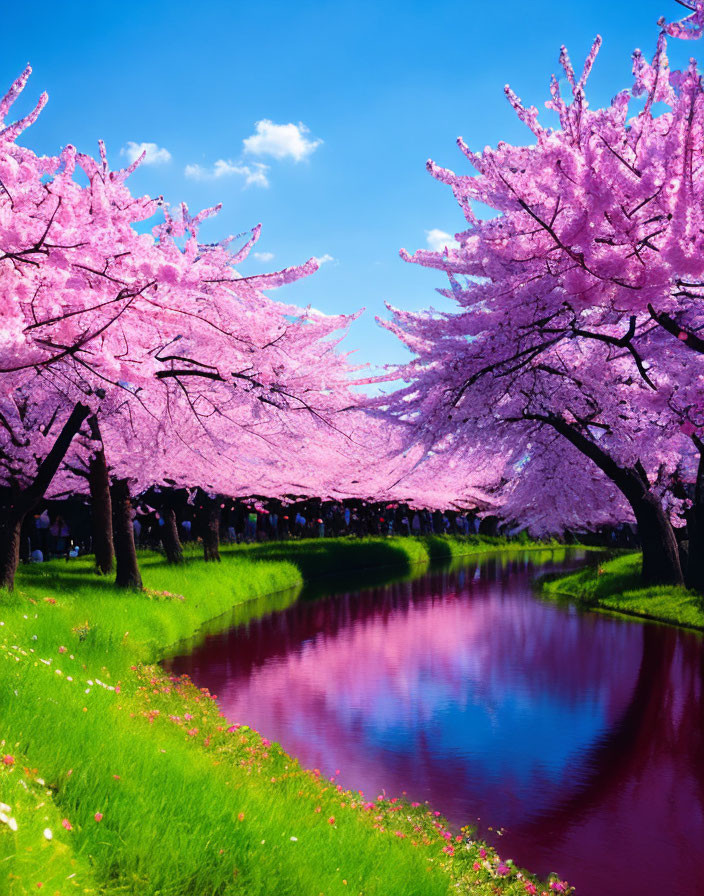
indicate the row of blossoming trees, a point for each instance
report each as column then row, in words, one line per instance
column 564, row 392
column 132, row 359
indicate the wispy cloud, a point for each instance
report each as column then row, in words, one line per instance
column 155, row 155
column 323, row 259
column 253, row 175
column 438, row 239
column 281, row 141
column 263, row 256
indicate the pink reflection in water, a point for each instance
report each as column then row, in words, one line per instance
column 580, row 734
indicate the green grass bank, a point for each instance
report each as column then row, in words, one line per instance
column 615, row 586
column 118, row 778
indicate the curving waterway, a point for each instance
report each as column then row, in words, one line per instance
column 578, row 734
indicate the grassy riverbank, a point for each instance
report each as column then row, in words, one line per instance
column 115, row 777
column 615, row 585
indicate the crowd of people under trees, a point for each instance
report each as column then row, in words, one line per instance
column 67, row 532
column 565, row 393
column 64, row 529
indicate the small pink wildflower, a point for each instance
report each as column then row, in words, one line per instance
column 531, row 889
column 62, row 649
column 98, row 816
column 331, row 820
column 8, row 760
column 450, row 850
column 67, row 824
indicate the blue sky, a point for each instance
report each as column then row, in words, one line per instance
column 383, row 86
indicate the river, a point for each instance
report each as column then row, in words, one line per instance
column 573, row 740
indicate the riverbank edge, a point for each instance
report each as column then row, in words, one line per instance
column 416, row 553
column 613, row 588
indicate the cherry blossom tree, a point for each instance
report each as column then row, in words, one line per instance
column 580, row 298
column 71, row 267
column 155, row 337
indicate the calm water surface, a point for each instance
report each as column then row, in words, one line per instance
column 581, row 735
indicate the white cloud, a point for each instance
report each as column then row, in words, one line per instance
column 323, row 259
column 155, row 155
column 254, row 174
column 438, row 239
column 263, row 256
column 280, row 141
column 195, row 172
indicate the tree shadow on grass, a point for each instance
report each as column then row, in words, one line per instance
column 438, row 549
column 59, row 577
column 316, row 559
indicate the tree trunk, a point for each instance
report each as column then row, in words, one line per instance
column 127, row 569
column 169, row 537
column 694, row 573
column 211, row 533
column 661, row 560
column 24, row 501
column 101, row 506
column 10, row 534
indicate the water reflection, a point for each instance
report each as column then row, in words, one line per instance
column 580, row 734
